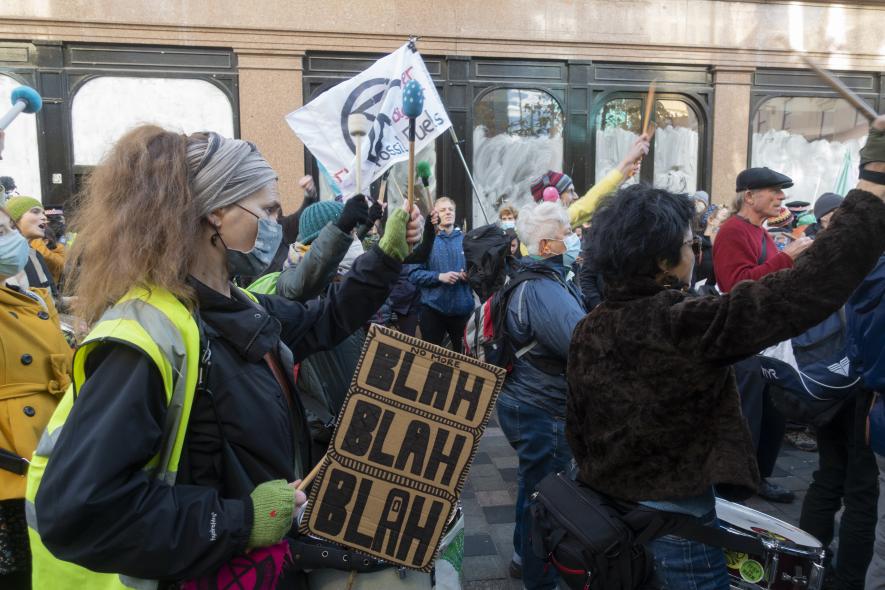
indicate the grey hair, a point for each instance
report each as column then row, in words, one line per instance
column 539, row 221
column 224, row 171
column 738, row 201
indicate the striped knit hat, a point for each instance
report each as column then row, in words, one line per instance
column 557, row 180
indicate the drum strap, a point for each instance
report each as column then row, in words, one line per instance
column 692, row 529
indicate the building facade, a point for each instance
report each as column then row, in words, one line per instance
column 529, row 85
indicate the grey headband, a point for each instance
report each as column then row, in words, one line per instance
column 224, row 171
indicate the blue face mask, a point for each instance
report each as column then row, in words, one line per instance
column 572, row 249
column 14, row 252
column 508, row 224
column 255, row 261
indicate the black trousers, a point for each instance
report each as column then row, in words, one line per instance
column 847, row 475
column 767, row 424
column 435, row 326
column 408, row 324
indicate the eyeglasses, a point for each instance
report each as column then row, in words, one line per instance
column 695, row 243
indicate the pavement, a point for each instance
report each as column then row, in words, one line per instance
column 489, row 499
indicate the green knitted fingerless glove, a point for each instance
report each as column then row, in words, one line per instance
column 394, row 241
column 874, row 149
column 273, row 504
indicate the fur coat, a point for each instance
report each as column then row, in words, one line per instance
column 653, row 408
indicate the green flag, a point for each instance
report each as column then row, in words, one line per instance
column 842, row 181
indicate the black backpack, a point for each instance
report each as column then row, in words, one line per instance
column 598, row 543
column 485, row 333
column 486, row 249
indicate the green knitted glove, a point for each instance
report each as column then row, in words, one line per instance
column 273, row 504
column 874, row 149
column 394, row 241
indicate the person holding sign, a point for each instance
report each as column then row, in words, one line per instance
column 653, row 410
column 178, row 448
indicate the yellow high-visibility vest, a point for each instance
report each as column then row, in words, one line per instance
column 160, row 326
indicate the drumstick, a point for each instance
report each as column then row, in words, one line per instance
column 382, row 190
column 310, row 476
column 841, row 89
column 399, row 191
column 649, row 101
column 357, row 127
column 413, row 105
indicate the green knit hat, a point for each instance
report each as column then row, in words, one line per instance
column 19, row 205
column 315, row 217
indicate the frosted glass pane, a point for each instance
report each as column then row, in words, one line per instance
column 517, row 137
column 21, row 157
column 815, row 141
column 105, row 108
column 675, row 142
column 676, row 147
column 618, row 126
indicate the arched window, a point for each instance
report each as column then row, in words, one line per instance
column 517, row 136
column 21, row 156
column 105, row 108
column 676, row 141
column 815, row 141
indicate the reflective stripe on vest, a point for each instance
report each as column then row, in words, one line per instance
column 161, row 327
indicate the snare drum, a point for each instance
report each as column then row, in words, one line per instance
column 792, row 559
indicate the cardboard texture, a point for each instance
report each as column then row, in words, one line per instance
column 406, row 437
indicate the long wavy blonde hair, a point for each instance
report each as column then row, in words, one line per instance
column 136, row 223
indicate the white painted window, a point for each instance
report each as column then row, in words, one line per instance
column 815, row 141
column 517, row 137
column 105, row 108
column 21, row 156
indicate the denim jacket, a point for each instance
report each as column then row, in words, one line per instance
column 447, row 256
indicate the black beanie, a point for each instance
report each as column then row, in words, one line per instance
column 826, row 203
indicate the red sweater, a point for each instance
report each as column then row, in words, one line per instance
column 737, row 251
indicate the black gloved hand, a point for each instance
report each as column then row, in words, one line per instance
column 356, row 212
column 376, row 211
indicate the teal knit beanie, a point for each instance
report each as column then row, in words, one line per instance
column 315, row 217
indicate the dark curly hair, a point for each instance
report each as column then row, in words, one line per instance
column 635, row 229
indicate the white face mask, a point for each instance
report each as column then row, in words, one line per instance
column 572, row 249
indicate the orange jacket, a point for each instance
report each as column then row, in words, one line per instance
column 55, row 259
column 35, row 366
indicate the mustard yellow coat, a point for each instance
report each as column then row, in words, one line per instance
column 35, row 366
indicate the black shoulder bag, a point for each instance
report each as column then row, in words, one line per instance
column 598, row 543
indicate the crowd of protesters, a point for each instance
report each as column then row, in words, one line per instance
column 634, row 317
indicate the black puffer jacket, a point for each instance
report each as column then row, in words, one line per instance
column 97, row 508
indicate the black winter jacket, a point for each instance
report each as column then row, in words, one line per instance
column 96, row 506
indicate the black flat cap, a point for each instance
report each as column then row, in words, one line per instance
column 754, row 178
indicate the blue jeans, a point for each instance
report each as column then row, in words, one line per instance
column 681, row 564
column 539, row 441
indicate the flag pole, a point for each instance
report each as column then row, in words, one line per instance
column 476, row 192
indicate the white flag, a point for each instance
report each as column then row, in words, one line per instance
column 377, row 94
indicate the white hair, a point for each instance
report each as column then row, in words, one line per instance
column 537, row 222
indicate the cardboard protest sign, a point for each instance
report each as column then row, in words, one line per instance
column 406, row 437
